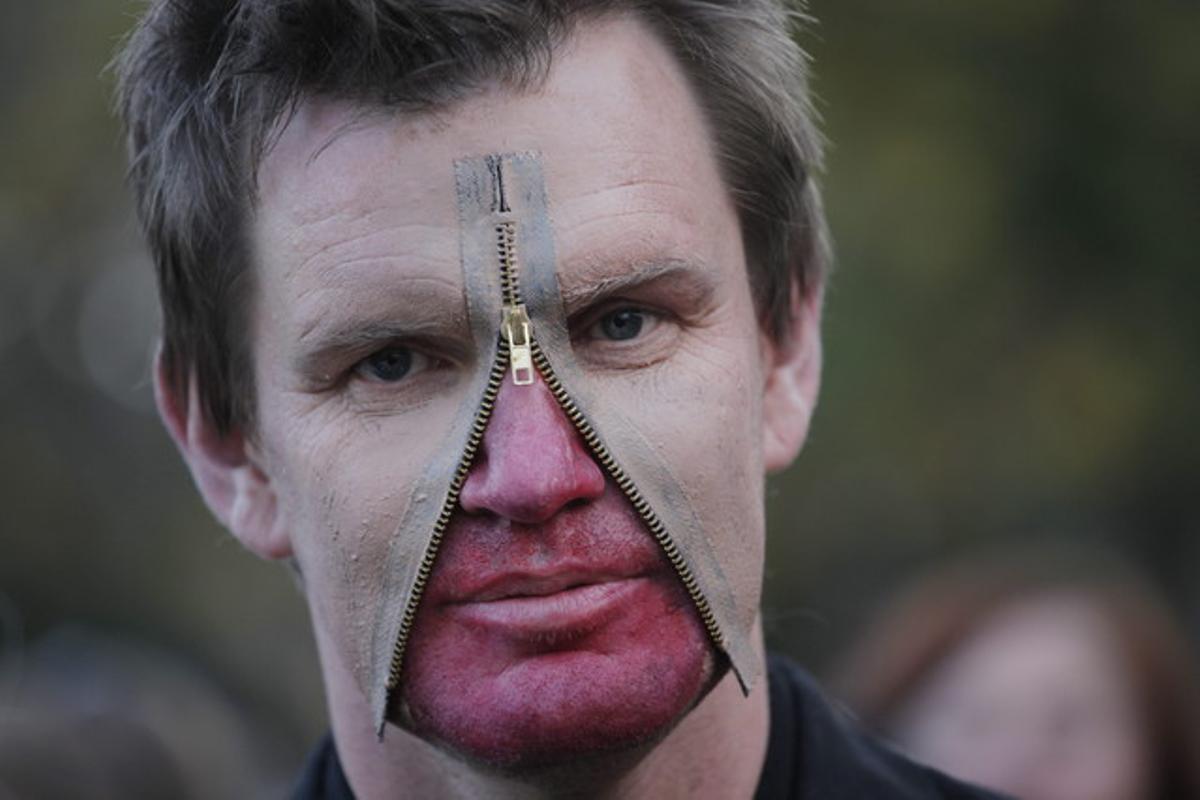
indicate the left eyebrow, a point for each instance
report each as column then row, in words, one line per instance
column 693, row 283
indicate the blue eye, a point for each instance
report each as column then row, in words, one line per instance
column 388, row 365
column 622, row 325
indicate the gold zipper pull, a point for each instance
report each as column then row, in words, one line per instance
column 517, row 330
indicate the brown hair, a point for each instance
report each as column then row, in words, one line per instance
column 204, row 85
column 930, row 620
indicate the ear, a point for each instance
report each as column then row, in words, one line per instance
column 225, row 469
column 791, row 381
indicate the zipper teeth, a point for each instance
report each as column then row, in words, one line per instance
column 506, row 251
column 626, row 485
column 486, row 405
column 505, row 236
column 511, row 293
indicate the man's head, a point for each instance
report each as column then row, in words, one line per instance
column 296, row 166
column 205, row 85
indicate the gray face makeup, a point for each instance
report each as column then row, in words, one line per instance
column 519, row 327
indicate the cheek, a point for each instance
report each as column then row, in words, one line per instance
column 701, row 411
column 343, row 483
column 343, row 512
column 707, row 414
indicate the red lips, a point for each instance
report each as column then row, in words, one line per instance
column 485, row 557
column 548, row 580
column 558, row 637
column 552, row 620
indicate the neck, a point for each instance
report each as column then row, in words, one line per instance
column 716, row 750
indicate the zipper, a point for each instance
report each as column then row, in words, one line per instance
column 657, row 529
column 519, row 349
column 515, row 337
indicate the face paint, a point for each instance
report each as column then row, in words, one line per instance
column 519, row 328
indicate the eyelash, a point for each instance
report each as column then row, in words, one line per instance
column 652, row 317
column 420, row 362
column 642, row 316
column 653, row 341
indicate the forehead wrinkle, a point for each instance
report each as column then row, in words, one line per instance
column 642, row 177
column 377, row 274
column 319, row 147
column 407, row 234
column 645, row 190
column 351, row 290
column 605, row 221
column 646, row 209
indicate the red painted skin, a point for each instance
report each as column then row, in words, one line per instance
column 552, row 625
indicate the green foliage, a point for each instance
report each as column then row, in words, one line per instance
column 1011, row 340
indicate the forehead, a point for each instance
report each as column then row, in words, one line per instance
column 621, row 139
column 1058, row 644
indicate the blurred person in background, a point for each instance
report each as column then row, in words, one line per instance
column 84, row 714
column 1049, row 674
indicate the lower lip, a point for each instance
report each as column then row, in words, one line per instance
column 570, row 613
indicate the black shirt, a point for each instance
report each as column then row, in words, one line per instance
column 814, row 753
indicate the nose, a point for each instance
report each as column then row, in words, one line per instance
column 532, row 461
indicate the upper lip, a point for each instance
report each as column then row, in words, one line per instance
column 535, row 584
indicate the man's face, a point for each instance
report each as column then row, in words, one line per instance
column 552, row 624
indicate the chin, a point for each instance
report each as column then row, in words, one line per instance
column 567, row 704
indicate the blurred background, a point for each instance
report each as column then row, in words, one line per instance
column 1012, row 355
